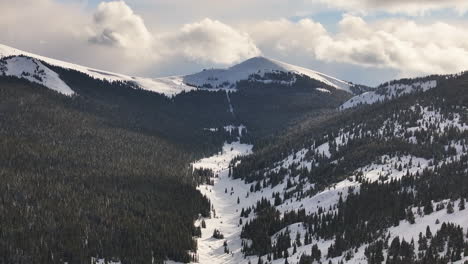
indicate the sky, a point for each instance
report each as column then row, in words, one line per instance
column 362, row 41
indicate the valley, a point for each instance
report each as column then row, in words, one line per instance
column 261, row 162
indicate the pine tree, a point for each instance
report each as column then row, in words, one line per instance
column 428, row 232
column 260, row 260
column 298, row 239
column 316, row 254
column 461, row 205
column 428, row 207
column 410, row 216
column 450, row 208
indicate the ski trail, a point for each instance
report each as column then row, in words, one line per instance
column 225, row 213
column 231, row 109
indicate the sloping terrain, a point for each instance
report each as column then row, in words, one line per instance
column 382, row 183
column 75, row 185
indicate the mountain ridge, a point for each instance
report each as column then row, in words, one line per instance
column 210, row 79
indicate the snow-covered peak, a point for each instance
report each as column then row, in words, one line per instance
column 34, row 71
column 388, row 92
column 227, row 78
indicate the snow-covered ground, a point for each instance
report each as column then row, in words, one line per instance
column 383, row 168
column 225, row 209
column 387, row 92
column 226, row 192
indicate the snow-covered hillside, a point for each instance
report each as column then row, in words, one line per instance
column 387, row 92
column 34, row 71
column 168, row 86
column 227, row 78
column 231, row 197
column 213, row 79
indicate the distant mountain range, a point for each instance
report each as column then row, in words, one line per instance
column 208, row 79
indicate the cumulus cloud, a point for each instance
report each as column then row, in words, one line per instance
column 207, row 41
column 412, row 7
column 115, row 24
column 213, row 42
column 115, row 38
column 285, row 36
column 404, row 45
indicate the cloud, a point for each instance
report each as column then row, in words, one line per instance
column 411, row 7
column 207, row 41
column 115, row 24
column 283, row 35
column 113, row 37
column 404, row 45
column 210, row 41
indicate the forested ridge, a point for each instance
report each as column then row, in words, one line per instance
column 74, row 186
column 342, row 149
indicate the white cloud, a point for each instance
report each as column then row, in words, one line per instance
column 213, row 42
column 404, row 45
column 115, row 24
column 113, row 37
column 285, row 36
column 411, row 7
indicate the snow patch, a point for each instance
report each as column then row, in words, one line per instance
column 34, row 71
column 387, row 92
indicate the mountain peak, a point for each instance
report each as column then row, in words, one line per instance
column 227, row 78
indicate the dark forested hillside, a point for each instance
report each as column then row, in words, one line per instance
column 75, row 185
column 182, row 119
column 270, row 108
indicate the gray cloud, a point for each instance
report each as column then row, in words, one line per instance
column 411, row 7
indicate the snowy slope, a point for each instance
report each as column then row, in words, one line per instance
column 168, row 86
column 257, row 65
column 173, row 85
column 388, row 92
column 34, row 71
column 229, row 196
